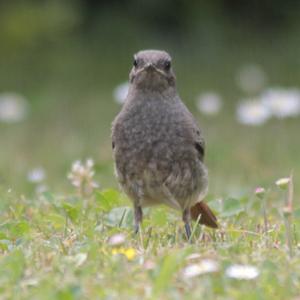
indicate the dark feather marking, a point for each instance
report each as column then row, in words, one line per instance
column 200, row 150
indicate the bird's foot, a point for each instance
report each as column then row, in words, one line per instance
column 187, row 230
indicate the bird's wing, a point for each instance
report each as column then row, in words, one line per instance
column 199, row 144
column 196, row 135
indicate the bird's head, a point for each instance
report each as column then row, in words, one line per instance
column 152, row 70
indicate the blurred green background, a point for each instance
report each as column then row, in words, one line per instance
column 67, row 57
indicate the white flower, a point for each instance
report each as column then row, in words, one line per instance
column 204, row 267
column 36, row 175
column 82, row 177
column 252, row 112
column 89, row 163
column 13, row 108
column 260, row 192
column 245, row 272
column 283, row 182
column 120, row 92
column 282, row 102
column 209, row 103
column 251, row 78
column 117, row 239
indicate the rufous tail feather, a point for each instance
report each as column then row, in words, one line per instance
column 207, row 216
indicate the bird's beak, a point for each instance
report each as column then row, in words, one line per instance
column 149, row 67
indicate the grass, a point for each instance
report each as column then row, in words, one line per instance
column 56, row 244
column 71, row 110
column 58, row 247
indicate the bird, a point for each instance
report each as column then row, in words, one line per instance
column 158, row 147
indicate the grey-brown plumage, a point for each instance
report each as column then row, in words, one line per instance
column 158, row 147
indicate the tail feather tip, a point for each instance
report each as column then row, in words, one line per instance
column 208, row 218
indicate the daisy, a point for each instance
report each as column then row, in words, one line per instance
column 120, row 92
column 204, row 267
column 252, row 112
column 242, row 272
column 13, row 108
column 251, row 78
column 282, row 102
column 209, row 103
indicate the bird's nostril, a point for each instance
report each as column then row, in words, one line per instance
column 149, row 66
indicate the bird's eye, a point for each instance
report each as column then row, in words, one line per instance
column 167, row 65
column 135, row 63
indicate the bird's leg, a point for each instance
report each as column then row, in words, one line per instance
column 186, row 217
column 138, row 217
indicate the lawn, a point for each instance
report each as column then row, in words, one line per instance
column 58, row 241
column 82, row 246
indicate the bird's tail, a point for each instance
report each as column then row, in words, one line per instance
column 207, row 216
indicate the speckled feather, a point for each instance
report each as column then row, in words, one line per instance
column 157, row 145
